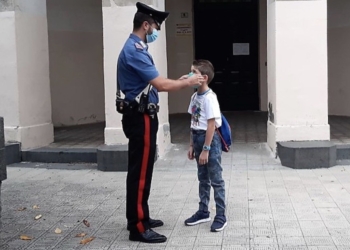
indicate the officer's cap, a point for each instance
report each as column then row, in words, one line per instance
column 158, row 16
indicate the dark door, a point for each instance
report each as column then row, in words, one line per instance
column 226, row 33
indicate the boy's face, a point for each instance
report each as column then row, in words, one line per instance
column 194, row 70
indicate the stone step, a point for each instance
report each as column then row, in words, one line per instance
column 60, row 155
column 313, row 154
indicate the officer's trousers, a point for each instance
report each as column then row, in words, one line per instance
column 141, row 130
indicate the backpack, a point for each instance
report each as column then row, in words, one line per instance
column 224, row 132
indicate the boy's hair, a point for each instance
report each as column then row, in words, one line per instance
column 139, row 18
column 205, row 68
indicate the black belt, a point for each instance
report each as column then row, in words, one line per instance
column 129, row 108
column 198, row 131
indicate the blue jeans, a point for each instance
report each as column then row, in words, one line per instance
column 210, row 173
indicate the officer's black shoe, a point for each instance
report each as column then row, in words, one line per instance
column 149, row 236
column 152, row 224
column 155, row 223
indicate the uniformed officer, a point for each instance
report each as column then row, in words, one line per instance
column 140, row 82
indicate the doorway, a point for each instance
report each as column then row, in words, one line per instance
column 226, row 32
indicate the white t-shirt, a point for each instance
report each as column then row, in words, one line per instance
column 203, row 107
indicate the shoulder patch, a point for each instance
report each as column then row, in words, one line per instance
column 143, row 44
column 138, row 46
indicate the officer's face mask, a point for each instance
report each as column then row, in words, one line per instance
column 153, row 36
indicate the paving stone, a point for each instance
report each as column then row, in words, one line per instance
column 263, row 240
column 289, row 232
column 293, row 248
column 181, row 241
column 314, row 232
column 276, row 208
column 339, row 231
column 319, row 241
column 322, row 248
column 291, row 241
column 235, row 247
column 264, row 247
column 209, row 241
column 342, row 241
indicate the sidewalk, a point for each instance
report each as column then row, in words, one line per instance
column 268, row 206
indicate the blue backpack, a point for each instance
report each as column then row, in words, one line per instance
column 225, row 134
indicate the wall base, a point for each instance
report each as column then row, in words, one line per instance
column 112, row 158
column 60, row 155
column 13, row 153
column 307, row 155
column 32, row 136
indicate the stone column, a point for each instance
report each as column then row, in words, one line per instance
column 117, row 26
column 3, row 173
column 25, row 99
column 297, row 71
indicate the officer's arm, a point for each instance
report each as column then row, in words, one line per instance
column 163, row 84
column 142, row 63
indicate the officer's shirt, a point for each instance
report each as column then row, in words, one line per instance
column 136, row 69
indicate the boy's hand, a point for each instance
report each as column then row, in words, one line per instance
column 203, row 158
column 190, row 153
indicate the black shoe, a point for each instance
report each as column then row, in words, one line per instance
column 152, row 224
column 155, row 223
column 149, row 236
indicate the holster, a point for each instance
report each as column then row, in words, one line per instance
column 121, row 105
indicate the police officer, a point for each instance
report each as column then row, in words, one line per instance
column 139, row 80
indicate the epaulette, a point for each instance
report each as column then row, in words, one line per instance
column 138, row 46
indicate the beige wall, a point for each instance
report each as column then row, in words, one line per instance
column 76, row 61
column 25, row 101
column 180, row 52
column 339, row 57
column 117, row 26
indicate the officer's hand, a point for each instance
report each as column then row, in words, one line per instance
column 195, row 80
column 190, row 153
column 183, row 77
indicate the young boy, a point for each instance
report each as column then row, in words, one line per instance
column 205, row 147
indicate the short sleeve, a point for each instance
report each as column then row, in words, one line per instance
column 212, row 107
column 190, row 105
column 143, row 65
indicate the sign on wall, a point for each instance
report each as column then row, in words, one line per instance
column 241, row 49
column 183, row 29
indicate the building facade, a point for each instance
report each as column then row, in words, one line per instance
column 290, row 58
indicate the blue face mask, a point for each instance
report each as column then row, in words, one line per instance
column 194, row 86
column 152, row 37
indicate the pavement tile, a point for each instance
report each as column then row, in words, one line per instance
column 267, row 207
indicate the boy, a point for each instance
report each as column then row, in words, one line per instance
column 205, row 147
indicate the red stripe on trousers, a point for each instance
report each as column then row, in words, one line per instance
column 142, row 181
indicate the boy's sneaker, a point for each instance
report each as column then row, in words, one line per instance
column 197, row 218
column 219, row 223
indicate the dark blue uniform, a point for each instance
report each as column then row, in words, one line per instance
column 134, row 71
